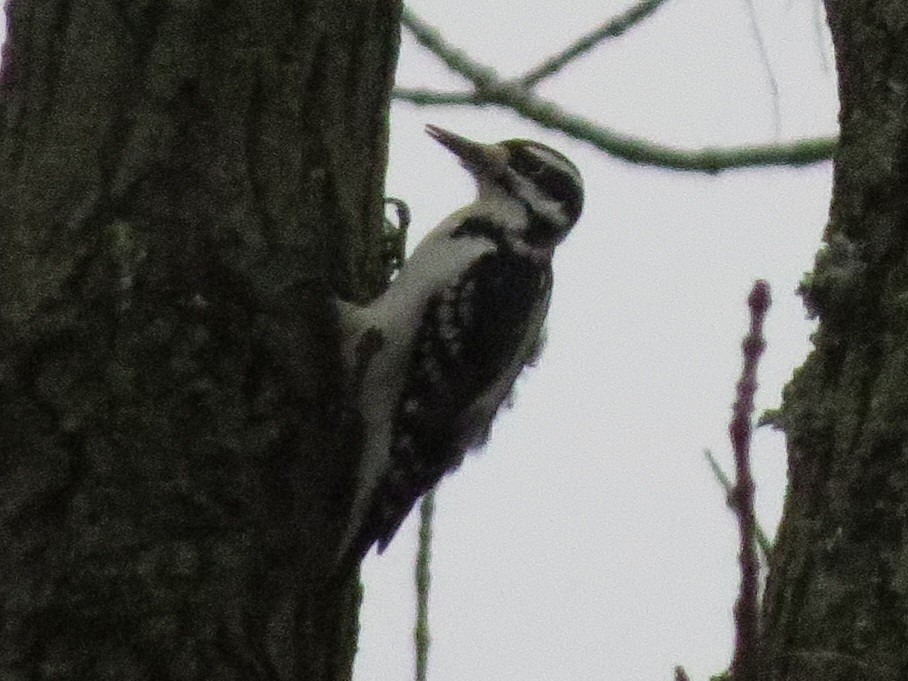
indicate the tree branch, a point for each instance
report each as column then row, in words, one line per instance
column 722, row 478
column 771, row 82
column 490, row 89
column 745, row 665
column 612, row 28
column 421, row 97
column 455, row 59
column 625, row 147
column 423, row 580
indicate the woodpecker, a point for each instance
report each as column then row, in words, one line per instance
column 433, row 358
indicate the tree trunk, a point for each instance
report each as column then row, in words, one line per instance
column 836, row 604
column 182, row 187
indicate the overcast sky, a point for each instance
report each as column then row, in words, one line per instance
column 589, row 539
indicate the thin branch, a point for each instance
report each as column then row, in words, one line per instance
column 631, row 149
column 490, row 90
column 455, row 59
column 421, row 97
column 745, row 664
column 819, row 23
column 423, row 579
column 771, row 81
column 721, row 477
column 720, row 474
column 612, row 28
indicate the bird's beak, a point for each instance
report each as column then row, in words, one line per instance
column 476, row 157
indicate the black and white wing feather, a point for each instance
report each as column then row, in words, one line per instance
column 474, row 339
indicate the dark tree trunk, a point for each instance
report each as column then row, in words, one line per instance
column 182, row 185
column 836, row 605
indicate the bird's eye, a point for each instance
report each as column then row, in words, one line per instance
column 527, row 163
column 534, row 166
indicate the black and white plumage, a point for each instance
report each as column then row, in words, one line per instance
column 435, row 356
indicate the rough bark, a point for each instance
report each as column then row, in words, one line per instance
column 182, row 186
column 836, row 605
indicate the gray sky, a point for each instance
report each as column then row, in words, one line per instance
column 589, row 539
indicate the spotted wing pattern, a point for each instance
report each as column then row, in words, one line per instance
column 466, row 347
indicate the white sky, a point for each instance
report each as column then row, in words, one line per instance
column 589, row 540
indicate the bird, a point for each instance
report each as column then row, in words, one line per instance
column 434, row 357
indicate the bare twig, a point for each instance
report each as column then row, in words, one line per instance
column 631, row 149
column 423, row 580
column 771, row 81
column 490, row 89
column 745, row 664
column 455, row 59
column 721, row 477
column 422, row 97
column 819, row 24
column 612, row 28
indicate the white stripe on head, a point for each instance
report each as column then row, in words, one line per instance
column 540, row 203
column 551, row 173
